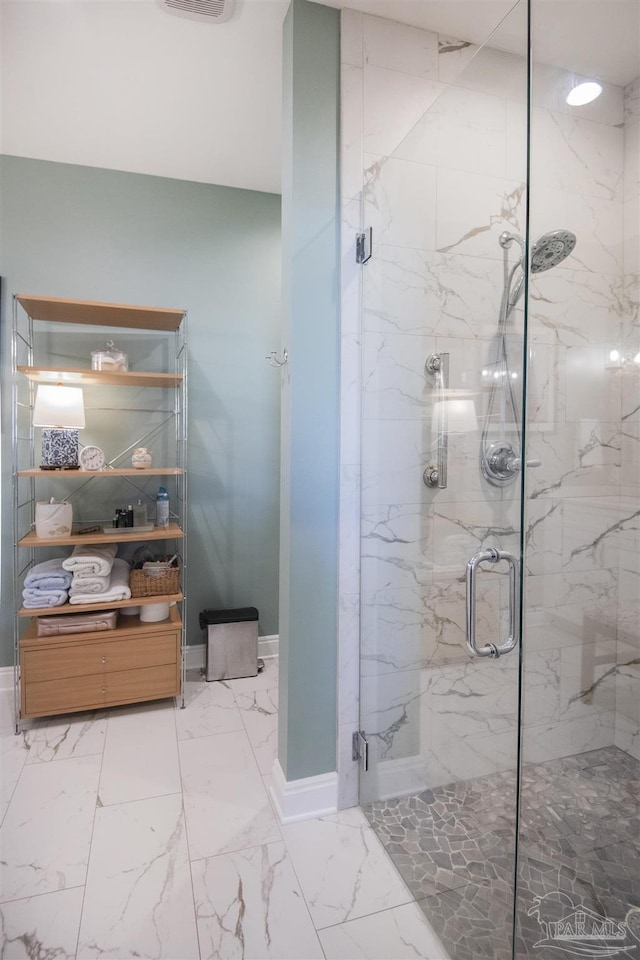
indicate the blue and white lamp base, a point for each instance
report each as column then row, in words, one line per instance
column 59, row 449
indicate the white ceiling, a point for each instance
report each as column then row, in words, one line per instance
column 125, row 85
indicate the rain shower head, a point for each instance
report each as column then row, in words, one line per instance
column 551, row 249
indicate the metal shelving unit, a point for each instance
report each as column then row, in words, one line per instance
column 29, row 314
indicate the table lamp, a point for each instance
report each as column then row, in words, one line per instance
column 60, row 410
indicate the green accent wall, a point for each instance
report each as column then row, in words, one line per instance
column 94, row 234
column 310, row 398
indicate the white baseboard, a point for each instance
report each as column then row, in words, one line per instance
column 269, row 646
column 197, row 652
column 6, row 678
column 304, row 799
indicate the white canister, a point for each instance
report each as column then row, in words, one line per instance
column 154, row 612
column 53, row 519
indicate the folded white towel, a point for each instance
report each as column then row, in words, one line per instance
column 92, row 560
column 97, row 585
column 48, row 575
column 118, row 587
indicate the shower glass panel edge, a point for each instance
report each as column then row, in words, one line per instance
column 442, row 353
column 579, row 824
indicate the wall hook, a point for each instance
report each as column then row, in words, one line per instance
column 273, row 358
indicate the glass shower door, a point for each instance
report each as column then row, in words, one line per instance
column 445, row 140
column 579, row 847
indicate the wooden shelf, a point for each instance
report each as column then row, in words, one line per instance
column 124, row 624
column 116, row 472
column 128, row 378
column 114, row 605
column 55, row 310
column 172, row 532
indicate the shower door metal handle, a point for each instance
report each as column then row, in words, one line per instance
column 493, row 650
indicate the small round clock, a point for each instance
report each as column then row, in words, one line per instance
column 91, row 458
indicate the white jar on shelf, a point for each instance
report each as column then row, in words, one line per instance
column 141, row 458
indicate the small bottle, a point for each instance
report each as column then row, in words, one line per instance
column 130, row 515
column 162, row 508
column 140, row 514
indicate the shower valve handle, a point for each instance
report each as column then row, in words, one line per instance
column 513, row 464
column 501, row 463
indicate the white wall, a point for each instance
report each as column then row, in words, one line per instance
column 128, row 86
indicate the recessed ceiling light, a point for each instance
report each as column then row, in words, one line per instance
column 583, row 93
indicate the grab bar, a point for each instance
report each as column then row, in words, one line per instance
column 437, row 365
column 493, row 650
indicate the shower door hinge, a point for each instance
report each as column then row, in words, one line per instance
column 364, row 243
column 360, row 749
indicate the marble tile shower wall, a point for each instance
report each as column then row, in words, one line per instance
column 575, row 515
column 627, row 723
column 433, row 158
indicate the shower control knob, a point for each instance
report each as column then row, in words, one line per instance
column 501, row 465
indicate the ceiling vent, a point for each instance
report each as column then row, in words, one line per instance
column 214, row 11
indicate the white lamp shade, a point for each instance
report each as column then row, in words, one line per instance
column 58, row 406
column 460, row 415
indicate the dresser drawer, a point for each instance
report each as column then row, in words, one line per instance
column 100, row 690
column 53, row 662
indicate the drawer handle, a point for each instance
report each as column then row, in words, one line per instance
column 103, row 660
column 103, row 689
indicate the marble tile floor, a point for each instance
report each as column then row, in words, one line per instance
column 579, row 843
column 148, row 832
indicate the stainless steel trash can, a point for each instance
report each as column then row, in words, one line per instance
column 232, row 643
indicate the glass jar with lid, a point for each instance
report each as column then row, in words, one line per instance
column 111, row 359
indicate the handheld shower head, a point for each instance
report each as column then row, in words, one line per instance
column 551, row 249
column 548, row 251
column 500, row 460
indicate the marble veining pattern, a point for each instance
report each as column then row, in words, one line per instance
column 259, row 713
column 44, row 927
column 401, row 933
column 136, row 878
column 249, row 903
column 49, row 740
column 436, row 279
column 138, row 891
column 226, row 805
column 342, row 868
column 46, row 832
